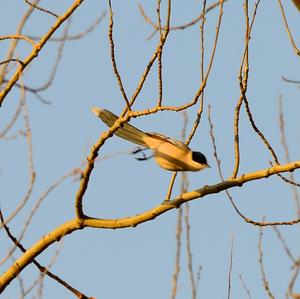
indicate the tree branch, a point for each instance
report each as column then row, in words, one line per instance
column 36, row 49
column 132, row 221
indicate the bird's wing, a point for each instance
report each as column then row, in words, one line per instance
column 126, row 131
column 164, row 138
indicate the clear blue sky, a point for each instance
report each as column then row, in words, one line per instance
column 139, row 262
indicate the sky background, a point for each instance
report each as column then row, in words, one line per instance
column 139, row 262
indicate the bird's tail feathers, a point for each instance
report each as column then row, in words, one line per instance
column 127, row 131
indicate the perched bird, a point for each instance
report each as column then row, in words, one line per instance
column 168, row 153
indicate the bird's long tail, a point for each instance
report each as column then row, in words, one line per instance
column 127, row 131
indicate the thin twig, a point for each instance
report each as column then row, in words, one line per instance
column 112, row 55
column 198, row 92
column 39, row 266
column 13, row 44
column 297, row 51
column 13, row 120
column 246, row 219
column 32, row 173
column 189, row 252
column 287, row 156
column 171, row 185
column 18, row 37
column 243, row 82
column 32, row 90
column 291, row 182
column 179, row 27
column 41, row 278
column 230, row 269
column 152, row 59
column 177, row 256
column 184, row 188
column 291, row 292
column 159, row 58
column 261, row 264
column 36, row 50
column 259, row 223
column 38, row 203
column 284, row 245
column 12, row 60
column 78, row 35
column 259, row 133
column 290, row 80
column 213, row 139
column 42, row 9
column 245, row 99
column 202, row 76
column 57, row 60
column 244, row 286
column 198, row 277
column 163, row 36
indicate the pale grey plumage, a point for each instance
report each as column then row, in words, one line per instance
column 169, row 154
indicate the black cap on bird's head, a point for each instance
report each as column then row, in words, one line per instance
column 200, row 158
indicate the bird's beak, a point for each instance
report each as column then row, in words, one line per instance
column 207, row 165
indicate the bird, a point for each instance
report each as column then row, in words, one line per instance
column 169, row 154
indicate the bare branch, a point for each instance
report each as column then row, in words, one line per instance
column 81, row 222
column 112, row 55
column 189, row 252
column 13, row 120
column 32, row 173
column 178, row 252
column 38, row 203
column 13, row 45
column 201, row 104
column 290, row 80
column 78, row 35
column 19, row 37
column 284, row 245
column 38, row 46
column 42, row 9
column 179, row 27
column 287, row 157
column 244, row 286
column 12, row 60
column 261, row 264
column 230, row 269
column 39, row 266
column 297, row 51
column 243, row 82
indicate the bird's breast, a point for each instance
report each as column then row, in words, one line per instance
column 171, row 157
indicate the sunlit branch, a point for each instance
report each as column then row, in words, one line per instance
column 42, row 269
column 37, row 48
column 80, row 223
